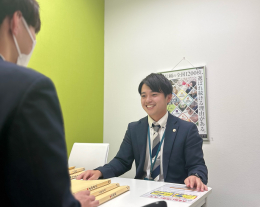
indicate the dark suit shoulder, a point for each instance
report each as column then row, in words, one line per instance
column 137, row 123
column 16, row 83
column 10, row 71
column 180, row 122
column 16, row 80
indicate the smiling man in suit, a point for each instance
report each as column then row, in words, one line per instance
column 164, row 147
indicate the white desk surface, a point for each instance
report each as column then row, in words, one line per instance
column 140, row 187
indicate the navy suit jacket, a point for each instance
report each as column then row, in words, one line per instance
column 182, row 152
column 33, row 156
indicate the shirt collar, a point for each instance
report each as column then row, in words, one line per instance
column 1, row 56
column 162, row 121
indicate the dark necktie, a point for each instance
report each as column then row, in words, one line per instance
column 155, row 172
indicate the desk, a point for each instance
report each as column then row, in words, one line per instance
column 140, row 187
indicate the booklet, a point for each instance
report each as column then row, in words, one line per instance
column 175, row 192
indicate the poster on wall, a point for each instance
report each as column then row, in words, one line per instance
column 189, row 97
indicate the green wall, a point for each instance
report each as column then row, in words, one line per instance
column 70, row 50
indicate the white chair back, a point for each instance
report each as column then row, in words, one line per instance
column 88, row 155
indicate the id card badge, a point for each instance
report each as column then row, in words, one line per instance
column 148, row 176
column 148, row 179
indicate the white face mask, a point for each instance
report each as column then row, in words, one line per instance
column 23, row 59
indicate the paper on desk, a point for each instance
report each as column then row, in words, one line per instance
column 175, row 192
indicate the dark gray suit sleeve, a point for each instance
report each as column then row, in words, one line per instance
column 122, row 162
column 194, row 155
column 37, row 173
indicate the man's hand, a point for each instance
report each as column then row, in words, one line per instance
column 90, row 175
column 195, row 182
column 85, row 199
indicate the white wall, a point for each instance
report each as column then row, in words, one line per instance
column 144, row 36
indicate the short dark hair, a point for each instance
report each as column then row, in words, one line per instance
column 157, row 83
column 28, row 8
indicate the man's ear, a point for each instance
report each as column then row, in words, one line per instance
column 169, row 98
column 15, row 22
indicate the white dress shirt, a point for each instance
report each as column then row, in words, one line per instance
column 2, row 57
column 147, row 164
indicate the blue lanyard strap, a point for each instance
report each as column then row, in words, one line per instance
column 158, row 150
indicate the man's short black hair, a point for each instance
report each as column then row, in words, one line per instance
column 28, row 8
column 157, row 83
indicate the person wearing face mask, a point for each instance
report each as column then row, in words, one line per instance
column 32, row 146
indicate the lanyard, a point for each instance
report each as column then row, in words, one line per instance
column 152, row 163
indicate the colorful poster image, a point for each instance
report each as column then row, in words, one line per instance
column 175, row 192
column 189, row 96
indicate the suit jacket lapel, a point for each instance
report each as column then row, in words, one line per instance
column 142, row 140
column 168, row 141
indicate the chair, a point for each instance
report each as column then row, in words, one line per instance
column 88, row 155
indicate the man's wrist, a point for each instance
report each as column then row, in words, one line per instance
column 99, row 174
column 197, row 175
